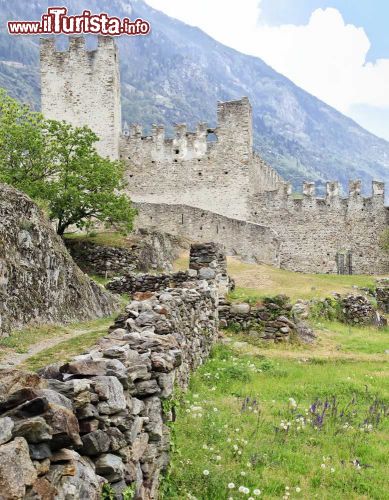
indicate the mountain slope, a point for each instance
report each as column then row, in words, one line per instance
column 178, row 73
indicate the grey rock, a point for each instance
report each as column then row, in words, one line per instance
column 95, row 443
column 240, row 309
column 16, row 469
column 34, row 430
column 111, row 394
column 6, row 426
column 110, row 466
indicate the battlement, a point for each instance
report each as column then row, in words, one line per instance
column 82, row 87
column 285, row 198
column 76, row 50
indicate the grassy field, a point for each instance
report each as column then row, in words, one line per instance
column 286, row 421
column 257, row 425
column 254, row 281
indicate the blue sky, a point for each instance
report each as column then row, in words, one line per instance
column 338, row 50
column 373, row 15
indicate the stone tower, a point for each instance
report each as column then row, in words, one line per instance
column 83, row 88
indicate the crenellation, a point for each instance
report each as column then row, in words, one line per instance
column 378, row 189
column 215, row 172
column 354, row 187
column 309, row 189
column 83, row 88
column 332, row 190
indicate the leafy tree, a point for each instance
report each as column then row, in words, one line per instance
column 25, row 158
column 58, row 164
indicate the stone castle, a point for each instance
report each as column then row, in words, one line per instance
column 209, row 184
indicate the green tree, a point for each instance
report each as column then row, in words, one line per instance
column 25, row 158
column 57, row 164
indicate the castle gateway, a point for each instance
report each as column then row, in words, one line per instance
column 209, row 184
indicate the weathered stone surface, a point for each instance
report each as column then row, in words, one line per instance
column 64, row 425
column 240, row 309
column 34, row 430
column 75, row 479
column 16, row 469
column 95, row 443
column 40, row 451
column 110, row 466
column 146, row 250
column 13, row 381
column 40, row 281
column 111, row 394
column 6, row 427
column 119, row 414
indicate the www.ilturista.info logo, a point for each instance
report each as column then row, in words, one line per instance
column 56, row 21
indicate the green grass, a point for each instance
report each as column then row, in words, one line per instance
column 108, row 238
column 21, row 340
column 214, row 432
column 357, row 339
column 64, row 351
column 254, row 281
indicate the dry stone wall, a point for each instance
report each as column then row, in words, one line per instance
column 101, row 417
column 207, row 261
column 39, row 282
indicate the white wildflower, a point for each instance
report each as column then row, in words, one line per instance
column 231, row 486
column 206, row 472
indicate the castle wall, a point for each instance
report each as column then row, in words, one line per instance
column 312, row 231
column 194, row 170
column 253, row 242
column 83, row 88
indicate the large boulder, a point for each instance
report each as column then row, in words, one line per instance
column 39, row 282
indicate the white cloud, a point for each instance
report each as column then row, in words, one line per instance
column 326, row 56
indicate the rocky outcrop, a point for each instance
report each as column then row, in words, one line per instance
column 103, row 416
column 146, row 250
column 39, row 281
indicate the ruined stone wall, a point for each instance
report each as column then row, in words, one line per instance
column 207, row 261
column 146, row 251
column 251, row 241
column 101, row 417
column 314, row 231
column 83, row 88
column 39, row 282
column 194, row 170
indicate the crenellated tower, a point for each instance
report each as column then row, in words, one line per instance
column 82, row 87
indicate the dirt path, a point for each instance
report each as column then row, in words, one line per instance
column 12, row 359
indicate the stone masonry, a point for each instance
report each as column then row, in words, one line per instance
column 101, row 417
column 211, row 180
column 83, row 88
